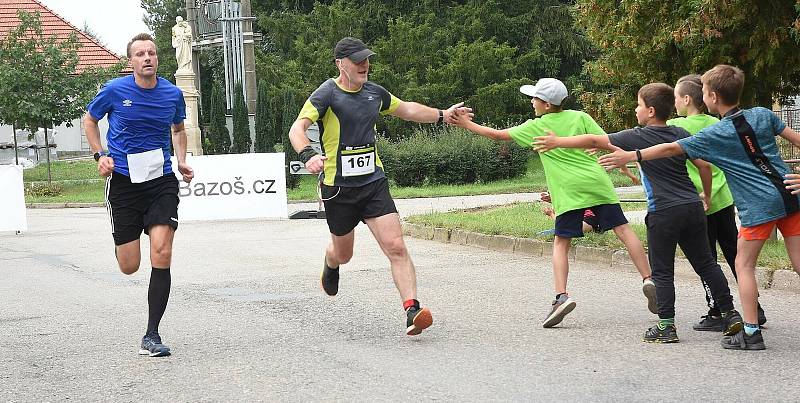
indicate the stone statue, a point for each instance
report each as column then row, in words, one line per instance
column 182, row 42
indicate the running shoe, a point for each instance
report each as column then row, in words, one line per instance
column 741, row 341
column 733, row 322
column 329, row 279
column 417, row 319
column 709, row 323
column 658, row 335
column 558, row 310
column 152, row 346
column 649, row 290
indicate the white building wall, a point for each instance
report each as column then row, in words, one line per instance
column 67, row 139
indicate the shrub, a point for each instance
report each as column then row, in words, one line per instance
column 44, row 190
column 450, row 156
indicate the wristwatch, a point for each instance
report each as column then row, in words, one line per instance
column 98, row 154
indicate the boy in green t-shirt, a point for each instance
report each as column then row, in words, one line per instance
column 576, row 183
column 721, row 214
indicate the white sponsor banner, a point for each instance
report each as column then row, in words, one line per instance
column 12, row 199
column 233, row 186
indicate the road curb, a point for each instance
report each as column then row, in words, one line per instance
column 64, row 205
column 767, row 278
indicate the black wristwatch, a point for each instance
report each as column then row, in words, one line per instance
column 98, row 154
column 441, row 116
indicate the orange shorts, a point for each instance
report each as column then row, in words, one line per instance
column 789, row 226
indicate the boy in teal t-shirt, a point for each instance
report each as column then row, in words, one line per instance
column 721, row 214
column 576, row 183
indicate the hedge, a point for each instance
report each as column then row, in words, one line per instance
column 450, row 156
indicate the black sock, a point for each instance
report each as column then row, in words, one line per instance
column 157, row 297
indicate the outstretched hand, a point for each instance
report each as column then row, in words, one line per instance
column 545, row 143
column 793, row 183
column 461, row 120
column 455, row 111
column 618, row 158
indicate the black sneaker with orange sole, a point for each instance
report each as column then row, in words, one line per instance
column 417, row 320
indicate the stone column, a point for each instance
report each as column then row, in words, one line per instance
column 185, row 81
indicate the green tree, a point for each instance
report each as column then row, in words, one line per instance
column 160, row 18
column 436, row 52
column 264, row 124
column 217, row 135
column 241, row 123
column 39, row 83
column 646, row 41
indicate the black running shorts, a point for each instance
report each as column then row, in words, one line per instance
column 134, row 207
column 346, row 206
column 570, row 223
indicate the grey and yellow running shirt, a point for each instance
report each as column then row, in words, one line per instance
column 347, row 130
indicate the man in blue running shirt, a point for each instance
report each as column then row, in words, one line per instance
column 141, row 188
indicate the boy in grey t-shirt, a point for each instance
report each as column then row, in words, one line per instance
column 675, row 213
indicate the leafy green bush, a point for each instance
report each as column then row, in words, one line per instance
column 450, row 156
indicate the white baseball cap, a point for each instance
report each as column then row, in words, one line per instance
column 547, row 89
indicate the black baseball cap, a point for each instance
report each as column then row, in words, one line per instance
column 351, row 48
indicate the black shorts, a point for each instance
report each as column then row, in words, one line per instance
column 570, row 224
column 346, row 206
column 593, row 222
column 134, row 207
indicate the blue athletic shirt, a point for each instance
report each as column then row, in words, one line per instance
column 743, row 146
column 139, row 119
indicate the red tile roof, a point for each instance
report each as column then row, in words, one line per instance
column 90, row 53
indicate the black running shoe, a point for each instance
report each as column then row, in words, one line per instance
column 329, row 279
column 152, row 346
column 417, row 320
column 709, row 323
column 656, row 335
column 733, row 323
column 762, row 318
column 741, row 341
column 558, row 310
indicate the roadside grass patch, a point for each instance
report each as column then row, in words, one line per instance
column 526, row 220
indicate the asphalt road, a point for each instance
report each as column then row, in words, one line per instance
column 247, row 321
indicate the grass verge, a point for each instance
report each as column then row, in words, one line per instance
column 527, row 221
column 81, row 183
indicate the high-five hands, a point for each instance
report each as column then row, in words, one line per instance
column 456, row 111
